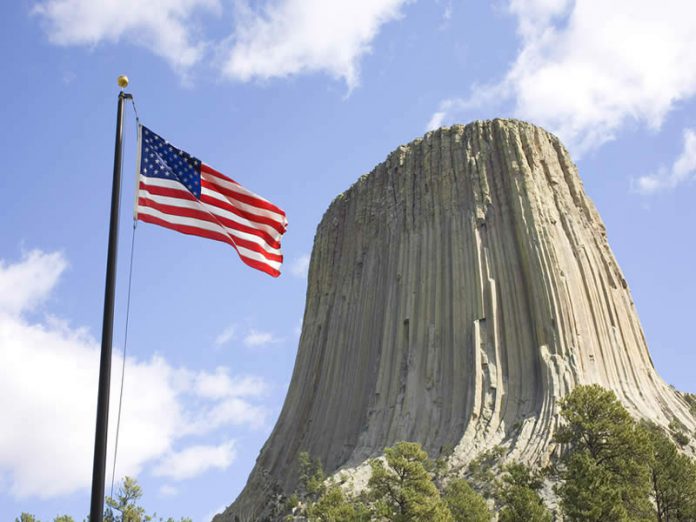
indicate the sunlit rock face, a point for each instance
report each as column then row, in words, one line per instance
column 455, row 294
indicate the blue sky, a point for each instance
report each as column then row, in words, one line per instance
column 295, row 99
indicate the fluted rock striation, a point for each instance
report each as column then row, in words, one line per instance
column 455, row 294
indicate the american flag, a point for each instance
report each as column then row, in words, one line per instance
column 178, row 191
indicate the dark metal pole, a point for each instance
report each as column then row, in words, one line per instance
column 96, row 512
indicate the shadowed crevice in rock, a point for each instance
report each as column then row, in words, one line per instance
column 455, row 293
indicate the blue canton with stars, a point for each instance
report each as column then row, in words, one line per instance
column 160, row 159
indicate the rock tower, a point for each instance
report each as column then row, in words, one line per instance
column 455, row 293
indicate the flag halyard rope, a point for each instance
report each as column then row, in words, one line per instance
column 125, row 335
column 123, row 362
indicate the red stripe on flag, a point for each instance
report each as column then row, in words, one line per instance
column 203, row 215
column 242, row 213
column 207, row 202
column 170, row 192
column 251, row 200
column 194, row 231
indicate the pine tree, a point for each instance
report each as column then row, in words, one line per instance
column 605, row 471
column 333, row 506
column 673, row 479
column 125, row 507
column 26, row 517
column 464, row 503
column 311, row 477
column 519, row 496
column 403, row 491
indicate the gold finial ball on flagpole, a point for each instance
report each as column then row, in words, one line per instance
column 122, row 81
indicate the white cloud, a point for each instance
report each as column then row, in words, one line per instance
column 447, row 12
column 300, row 266
column 298, row 328
column 211, row 514
column 195, row 460
column 288, row 37
column 588, row 68
column 48, row 383
column 682, row 170
column 219, row 384
column 27, row 284
column 167, row 490
column 275, row 38
column 217, row 400
column 226, row 335
column 229, row 411
column 438, row 118
column 164, row 27
column 257, row 338
column 535, row 16
column 227, row 401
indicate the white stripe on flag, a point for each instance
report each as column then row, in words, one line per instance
column 206, row 225
column 195, row 205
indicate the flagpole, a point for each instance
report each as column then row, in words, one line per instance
column 96, row 512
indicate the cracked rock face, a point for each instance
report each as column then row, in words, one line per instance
column 455, row 293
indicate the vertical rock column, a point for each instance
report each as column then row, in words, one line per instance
column 455, row 293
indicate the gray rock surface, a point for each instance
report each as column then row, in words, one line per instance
column 455, row 293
